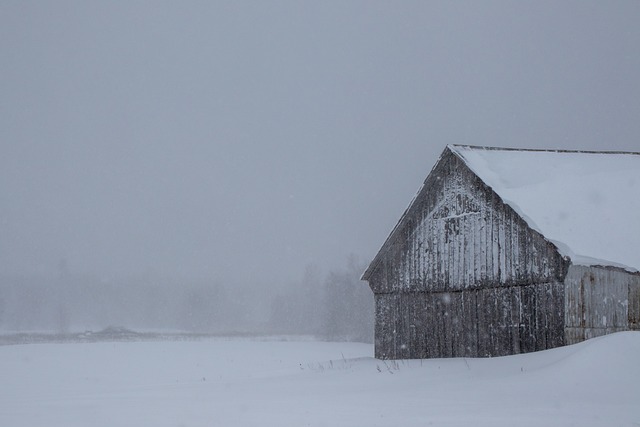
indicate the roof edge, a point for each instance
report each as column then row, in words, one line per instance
column 383, row 249
column 453, row 147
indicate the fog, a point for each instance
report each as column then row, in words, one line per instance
column 161, row 158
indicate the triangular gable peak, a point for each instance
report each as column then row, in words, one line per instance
column 585, row 202
column 387, row 243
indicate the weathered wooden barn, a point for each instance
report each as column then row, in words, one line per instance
column 506, row 251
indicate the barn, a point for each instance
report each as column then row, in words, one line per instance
column 505, row 251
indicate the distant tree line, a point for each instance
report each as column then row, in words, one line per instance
column 333, row 306
column 337, row 307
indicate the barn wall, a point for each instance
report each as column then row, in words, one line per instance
column 600, row 301
column 459, row 240
column 472, row 323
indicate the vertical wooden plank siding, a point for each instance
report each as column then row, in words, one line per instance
column 599, row 301
column 465, row 276
column 471, row 323
column 467, row 239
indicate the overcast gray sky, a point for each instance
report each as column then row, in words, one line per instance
column 243, row 140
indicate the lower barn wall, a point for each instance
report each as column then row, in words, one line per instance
column 471, row 323
column 599, row 301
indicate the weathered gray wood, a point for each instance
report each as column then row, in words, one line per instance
column 599, row 300
column 457, row 276
column 469, row 323
column 467, row 238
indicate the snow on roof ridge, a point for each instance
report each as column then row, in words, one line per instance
column 582, row 204
column 456, row 147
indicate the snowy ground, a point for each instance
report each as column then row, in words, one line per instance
column 251, row 383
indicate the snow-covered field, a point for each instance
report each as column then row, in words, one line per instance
column 262, row 383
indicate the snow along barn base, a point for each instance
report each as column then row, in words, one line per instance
column 506, row 251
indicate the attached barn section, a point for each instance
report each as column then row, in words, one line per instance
column 600, row 300
column 465, row 274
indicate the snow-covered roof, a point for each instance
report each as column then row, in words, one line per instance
column 586, row 203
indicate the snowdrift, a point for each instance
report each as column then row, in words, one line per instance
column 247, row 383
